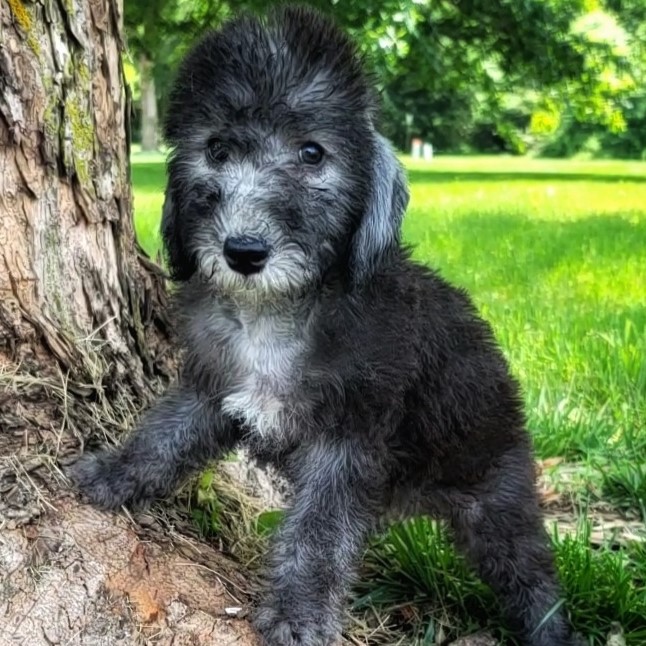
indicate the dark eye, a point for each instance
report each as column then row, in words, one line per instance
column 310, row 153
column 216, row 151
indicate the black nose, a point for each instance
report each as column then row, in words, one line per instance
column 245, row 254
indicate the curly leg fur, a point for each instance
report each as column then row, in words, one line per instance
column 314, row 557
column 503, row 537
column 177, row 436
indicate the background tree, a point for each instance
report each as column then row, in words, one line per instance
column 472, row 75
column 158, row 35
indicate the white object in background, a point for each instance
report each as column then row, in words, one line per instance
column 428, row 151
column 416, row 148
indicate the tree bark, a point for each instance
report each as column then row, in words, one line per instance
column 84, row 345
column 149, row 117
column 76, row 295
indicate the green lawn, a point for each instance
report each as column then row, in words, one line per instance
column 554, row 253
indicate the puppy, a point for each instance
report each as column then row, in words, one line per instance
column 313, row 339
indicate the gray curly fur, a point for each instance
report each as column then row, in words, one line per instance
column 366, row 379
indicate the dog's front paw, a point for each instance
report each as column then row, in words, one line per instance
column 278, row 628
column 102, row 479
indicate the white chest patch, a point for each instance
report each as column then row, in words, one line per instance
column 266, row 351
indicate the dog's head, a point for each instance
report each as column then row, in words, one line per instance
column 277, row 174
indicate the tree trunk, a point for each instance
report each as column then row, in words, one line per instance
column 75, row 293
column 83, row 346
column 149, row 118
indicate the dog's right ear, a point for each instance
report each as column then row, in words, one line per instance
column 380, row 227
column 180, row 262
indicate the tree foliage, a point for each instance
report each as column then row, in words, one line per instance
column 471, row 74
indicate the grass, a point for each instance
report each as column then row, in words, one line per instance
column 554, row 254
column 414, row 572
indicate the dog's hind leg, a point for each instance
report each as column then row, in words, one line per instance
column 176, row 437
column 502, row 535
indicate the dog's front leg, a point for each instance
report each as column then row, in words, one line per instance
column 177, row 436
column 338, row 492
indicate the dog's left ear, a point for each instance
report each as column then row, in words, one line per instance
column 181, row 264
column 380, row 227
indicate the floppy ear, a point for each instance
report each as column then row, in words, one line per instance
column 181, row 264
column 380, row 226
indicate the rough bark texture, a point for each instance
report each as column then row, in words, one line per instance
column 75, row 295
column 83, row 347
column 87, row 578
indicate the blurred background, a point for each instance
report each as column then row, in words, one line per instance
column 555, row 78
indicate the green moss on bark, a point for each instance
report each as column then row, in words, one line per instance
column 82, row 131
column 23, row 18
column 80, row 122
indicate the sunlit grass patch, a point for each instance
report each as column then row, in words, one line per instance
column 148, row 182
column 554, row 254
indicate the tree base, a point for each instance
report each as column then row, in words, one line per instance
column 70, row 574
column 80, row 576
